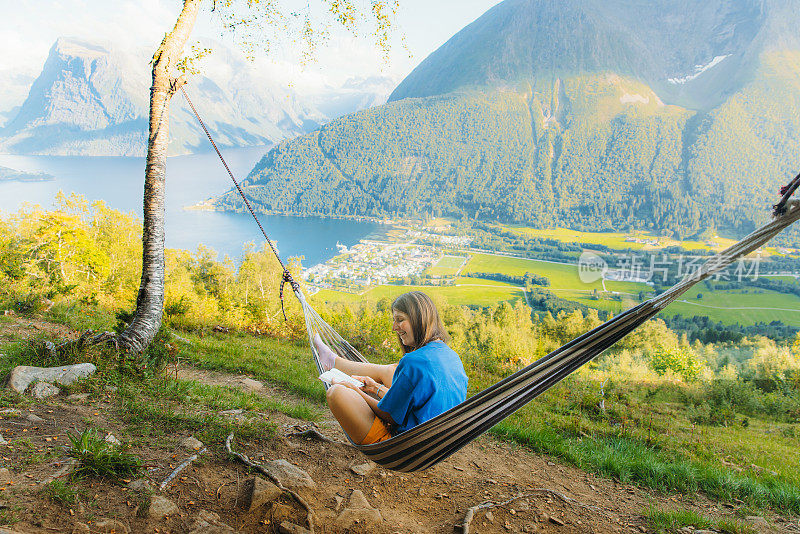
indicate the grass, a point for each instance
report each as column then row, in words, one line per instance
column 615, row 240
column 447, row 265
column 629, row 461
column 99, row 458
column 672, row 521
column 61, row 493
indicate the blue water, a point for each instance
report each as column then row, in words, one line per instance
column 190, row 179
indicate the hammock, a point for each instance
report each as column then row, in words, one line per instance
column 433, row 441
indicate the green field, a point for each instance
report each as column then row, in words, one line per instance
column 470, row 291
column 447, row 265
column 615, row 240
column 561, row 275
column 731, row 306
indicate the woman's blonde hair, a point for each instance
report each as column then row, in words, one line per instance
column 426, row 326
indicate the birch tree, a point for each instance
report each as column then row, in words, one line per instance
column 255, row 25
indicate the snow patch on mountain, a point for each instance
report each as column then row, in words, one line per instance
column 698, row 70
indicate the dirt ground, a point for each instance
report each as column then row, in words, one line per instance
column 555, row 498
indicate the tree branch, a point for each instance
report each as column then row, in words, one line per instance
column 491, row 504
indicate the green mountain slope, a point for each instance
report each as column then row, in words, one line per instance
column 581, row 146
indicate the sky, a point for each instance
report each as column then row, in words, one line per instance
column 31, row 26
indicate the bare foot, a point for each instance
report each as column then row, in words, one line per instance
column 327, row 358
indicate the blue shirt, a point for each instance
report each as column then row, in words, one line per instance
column 427, row 382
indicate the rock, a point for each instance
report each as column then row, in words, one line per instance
column 78, row 397
column 41, row 390
column 490, row 517
column 236, row 415
column 110, row 526
column 5, row 476
column 291, row 528
column 67, row 467
column 358, row 511
column 4, row 530
column 2, row 440
column 705, row 531
column 758, row 522
column 191, row 443
column 141, row 484
column 363, row 469
column 160, row 507
column 23, row 375
column 10, row 412
column 248, row 384
column 209, row 523
column 290, row 475
column 256, row 492
column 33, row 418
column 111, row 438
column 81, row 528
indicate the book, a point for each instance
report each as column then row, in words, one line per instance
column 335, row 375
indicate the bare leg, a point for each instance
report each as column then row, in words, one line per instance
column 351, row 410
column 380, row 373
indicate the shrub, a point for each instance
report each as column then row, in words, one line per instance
column 704, row 414
column 97, row 457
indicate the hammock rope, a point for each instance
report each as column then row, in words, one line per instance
column 436, row 439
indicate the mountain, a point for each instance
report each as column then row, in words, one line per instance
column 92, row 99
column 666, row 114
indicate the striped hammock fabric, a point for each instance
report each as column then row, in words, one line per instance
column 436, row 439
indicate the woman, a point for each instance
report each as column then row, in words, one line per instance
column 428, row 380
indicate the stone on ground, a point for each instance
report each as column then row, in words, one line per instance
column 5, row 476
column 141, row 484
column 23, row 375
column 256, row 492
column 42, row 390
column 192, row 444
column 32, row 418
column 248, row 384
column 161, row 507
column 112, row 439
column 110, row 526
column 207, row 522
column 363, row 469
column 359, row 512
column 290, row 475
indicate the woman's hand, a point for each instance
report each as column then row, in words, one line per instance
column 370, row 385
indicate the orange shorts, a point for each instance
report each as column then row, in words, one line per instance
column 379, row 432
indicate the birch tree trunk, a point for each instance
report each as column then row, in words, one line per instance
column 150, row 299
